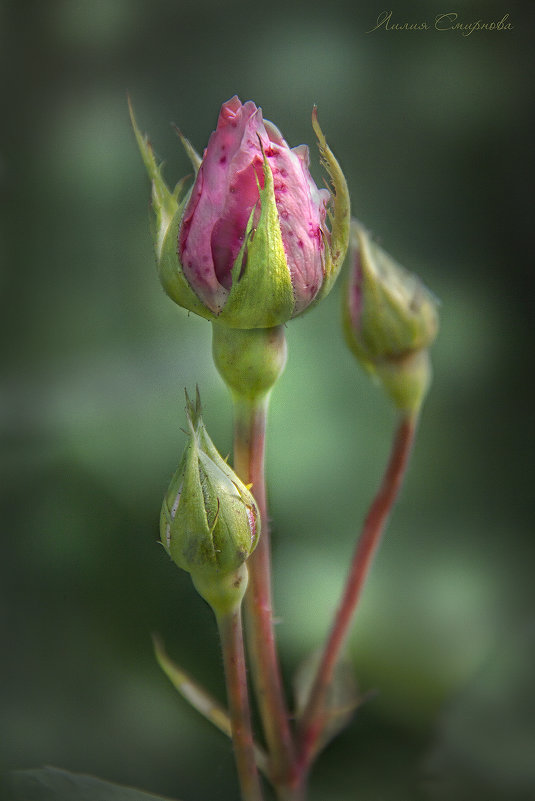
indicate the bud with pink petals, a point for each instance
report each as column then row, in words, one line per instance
column 249, row 245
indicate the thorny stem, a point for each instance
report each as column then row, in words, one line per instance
column 249, row 438
column 312, row 721
column 230, row 632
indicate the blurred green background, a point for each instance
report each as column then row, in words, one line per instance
column 432, row 131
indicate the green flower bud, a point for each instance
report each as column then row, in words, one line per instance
column 390, row 321
column 209, row 523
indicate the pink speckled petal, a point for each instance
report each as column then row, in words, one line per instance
column 216, row 215
column 226, row 191
column 302, row 216
column 274, row 134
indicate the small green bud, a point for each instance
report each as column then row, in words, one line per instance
column 390, row 321
column 209, row 523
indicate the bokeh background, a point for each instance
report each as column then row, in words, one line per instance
column 432, row 131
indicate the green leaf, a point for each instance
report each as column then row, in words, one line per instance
column 54, row 784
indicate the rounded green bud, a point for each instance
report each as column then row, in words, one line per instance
column 209, row 523
column 390, row 321
column 249, row 361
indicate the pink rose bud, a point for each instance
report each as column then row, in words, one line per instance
column 249, row 246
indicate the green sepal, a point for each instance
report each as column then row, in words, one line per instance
column 170, row 271
column 189, row 518
column 335, row 250
column 167, row 210
column 194, row 414
column 191, row 153
column 164, row 202
column 197, row 513
column 261, row 295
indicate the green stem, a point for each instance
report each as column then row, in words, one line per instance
column 230, row 632
column 312, row 721
column 249, row 443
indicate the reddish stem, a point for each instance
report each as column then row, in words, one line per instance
column 249, row 444
column 312, row 721
column 230, row 630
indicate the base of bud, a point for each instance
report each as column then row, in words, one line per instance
column 224, row 593
column 249, row 360
column 406, row 380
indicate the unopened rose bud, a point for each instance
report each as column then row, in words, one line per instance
column 249, row 245
column 209, row 523
column 390, row 321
